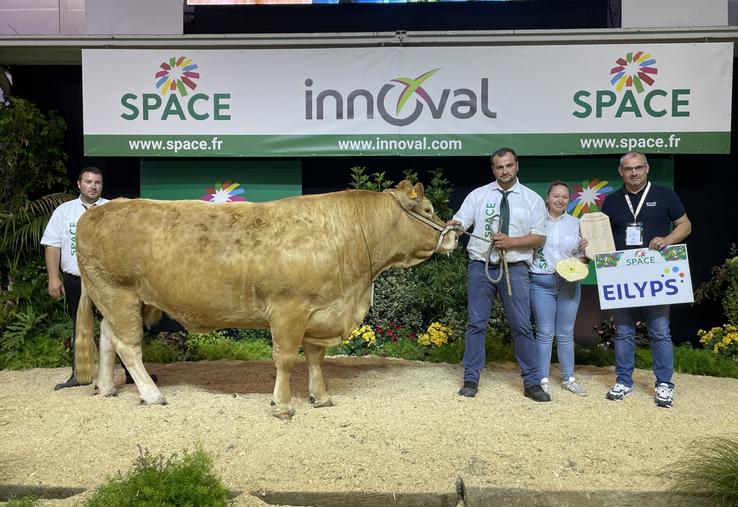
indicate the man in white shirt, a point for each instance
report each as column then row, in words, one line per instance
column 513, row 219
column 60, row 244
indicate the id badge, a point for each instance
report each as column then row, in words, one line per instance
column 634, row 234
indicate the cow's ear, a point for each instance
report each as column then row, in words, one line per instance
column 407, row 194
column 404, row 186
column 418, row 192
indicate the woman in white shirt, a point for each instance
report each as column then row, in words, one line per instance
column 555, row 301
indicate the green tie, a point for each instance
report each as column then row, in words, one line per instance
column 504, row 212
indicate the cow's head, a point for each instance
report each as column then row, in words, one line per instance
column 419, row 208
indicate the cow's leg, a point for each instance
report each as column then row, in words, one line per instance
column 287, row 333
column 107, row 361
column 316, row 387
column 124, row 316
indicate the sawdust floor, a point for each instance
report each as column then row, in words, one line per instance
column 397, row 426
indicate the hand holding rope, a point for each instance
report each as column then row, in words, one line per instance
column 495, row 226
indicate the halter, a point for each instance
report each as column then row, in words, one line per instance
column 442, row 230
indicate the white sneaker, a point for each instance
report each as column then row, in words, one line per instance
column 573, row 386
column 545, row 385
column 618, row 392
column 664, row 395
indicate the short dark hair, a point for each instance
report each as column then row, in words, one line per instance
column 89, row 169
column 504, row 151
column 558, row 183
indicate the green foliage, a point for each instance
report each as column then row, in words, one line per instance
column 709, row 468
column 226, row 349
column 643, row 358
column 398, row 299
column 723, row 287
column 439, row 192
column 703, row 362
column 264, row 335
column 160, row 350
column 721, row 340
column 498, row 348
column 32, row 164
column 188, row 480
column 375, row 182
column 597, row 356
column 405, row 349
column 25, row 501
column 22, row 228
column 241, row 344
column 451, row 353
column 32, row 157
column 605, row 332
column 33, row 326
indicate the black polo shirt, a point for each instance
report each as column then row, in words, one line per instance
column 661, row 208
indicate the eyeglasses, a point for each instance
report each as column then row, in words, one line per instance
column 635, row 169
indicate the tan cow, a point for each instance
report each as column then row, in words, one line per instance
column 302, row 266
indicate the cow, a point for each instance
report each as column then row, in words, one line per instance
column 301, row 266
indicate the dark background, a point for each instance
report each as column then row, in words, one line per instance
column 706, row 183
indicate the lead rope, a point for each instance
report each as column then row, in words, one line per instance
column 495, row 226
column 445, row 230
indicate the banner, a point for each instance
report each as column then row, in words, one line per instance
column 541, row 100
column 644, row 277
column 220, row 181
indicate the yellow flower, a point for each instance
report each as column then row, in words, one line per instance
column 437, row 334
column 572, row 269
column 364, row 332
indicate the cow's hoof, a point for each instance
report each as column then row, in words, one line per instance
column 327, row 402
column 157, row 400
column 107, row 393
column 284, row 412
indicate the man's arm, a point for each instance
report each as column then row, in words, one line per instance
column 529, row 241
column 52, row 256
column 682, row 229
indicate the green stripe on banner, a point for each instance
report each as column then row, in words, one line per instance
column 403, row 145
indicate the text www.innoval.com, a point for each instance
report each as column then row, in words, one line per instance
column 630, row 143
column 417, row 144
column 175, row 145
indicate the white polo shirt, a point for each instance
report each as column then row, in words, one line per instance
column 61, row 232
column 527, row 216
column 562, row 242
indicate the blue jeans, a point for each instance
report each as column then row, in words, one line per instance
column 662, row 349
column 481, row 297
column 555, row 303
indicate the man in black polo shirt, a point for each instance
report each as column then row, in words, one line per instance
column 644, row 215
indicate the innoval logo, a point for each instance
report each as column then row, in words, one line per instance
column 631, row 76
column 392, row 101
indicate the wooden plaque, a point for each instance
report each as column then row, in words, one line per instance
column 595, row 228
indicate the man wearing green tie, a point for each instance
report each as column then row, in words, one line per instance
column 512, row 218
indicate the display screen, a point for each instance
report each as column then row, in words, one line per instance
column 277, row 2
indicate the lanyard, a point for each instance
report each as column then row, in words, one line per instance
column 640, row 204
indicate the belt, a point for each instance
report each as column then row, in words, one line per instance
column 70, row 274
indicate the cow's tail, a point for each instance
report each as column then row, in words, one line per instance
column 85, row 351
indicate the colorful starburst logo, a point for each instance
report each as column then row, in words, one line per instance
column 227, row 192
column 178, row 75
column 588, row 197
column 633, row 70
